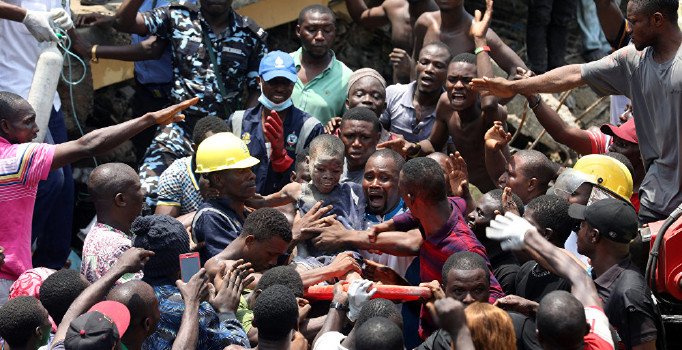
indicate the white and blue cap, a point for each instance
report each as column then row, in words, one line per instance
column 277, row 64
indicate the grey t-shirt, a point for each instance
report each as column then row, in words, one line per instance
column 656, row 94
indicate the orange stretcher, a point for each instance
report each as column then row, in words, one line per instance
column 390, row 292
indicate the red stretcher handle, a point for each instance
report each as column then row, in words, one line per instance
column 390, row 292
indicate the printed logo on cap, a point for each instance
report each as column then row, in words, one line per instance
column 279, row 62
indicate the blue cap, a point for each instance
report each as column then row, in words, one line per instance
column 277, row 64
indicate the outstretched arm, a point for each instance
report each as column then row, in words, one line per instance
column 496, row 142
column 368, row 17
column 104, row 139
column 151, row 48
column 478, row 30
column 288, row 194
column 557, row 80
column 611, row 20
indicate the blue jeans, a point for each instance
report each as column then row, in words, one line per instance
column 53, row 212
column 593, row 36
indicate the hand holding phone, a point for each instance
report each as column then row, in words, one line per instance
column 189, row 265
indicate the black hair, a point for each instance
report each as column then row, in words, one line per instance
column 423, row 177
column 379, row 308
column 9, row 103
column 550, row 211
column 440, row 45
column 623, row 159
column 466, row 261
column 108, row 179
column 560, row 320
column 668, row 8
column 206, row 124
column 328, row 145
column 301, row 158
column 538, row 166
column 19, row 318
column 266, row 223
column 282, row 275
column 138, row 296
column 464, row 57
column 316, row 8
column 275, row 313
column 59, row 290
column 362, row 114
column 496, row 194
column 397, row 159
column 379, row 333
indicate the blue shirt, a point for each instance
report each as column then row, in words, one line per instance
column 216, row 331
column 267, row 180
column 216, row 224
column 400, row 116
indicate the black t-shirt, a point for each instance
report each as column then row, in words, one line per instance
column 505, row 269
column 533, row 282
column 629, row 306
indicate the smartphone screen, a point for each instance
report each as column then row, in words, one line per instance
column 189, row 265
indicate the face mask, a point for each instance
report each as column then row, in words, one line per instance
column 274, row 106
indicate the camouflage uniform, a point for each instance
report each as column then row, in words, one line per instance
column 239, row 50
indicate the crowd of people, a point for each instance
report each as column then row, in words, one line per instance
column 277, row 175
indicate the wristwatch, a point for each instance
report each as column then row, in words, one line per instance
column 338, row 306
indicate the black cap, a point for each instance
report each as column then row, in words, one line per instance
column 615, row 219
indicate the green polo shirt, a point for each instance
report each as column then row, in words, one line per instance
column 323, row 97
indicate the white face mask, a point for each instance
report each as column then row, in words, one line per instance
column 271, row 105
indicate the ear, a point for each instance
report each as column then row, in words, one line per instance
column 292, row 178
column 249, row 240
column 259, row 80
column 4, row 126
column 147, row 324
column 298, row 31
column 119, row 200
column 594, row 235
column 549, row 234
column 532, row 184
column 347, row 104
column 38, row 332
column 658, row 19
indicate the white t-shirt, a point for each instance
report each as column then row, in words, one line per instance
column 656, row 93
column 19, row 51
column 329, row 341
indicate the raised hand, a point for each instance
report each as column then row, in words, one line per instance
column 133, row 260
column 437, row 292
column 226, row 298
column 171, row 114
column 329, row 237
column 344, row 263
column 508, row 204
column 497, row 86
column 496, row 137
column 196, row 290
column 481, row 23
column 401, row 62
column 274, row 131
column 510, row 229
column 447, row 313
column 401, row 146
column 517, row 304
column 458, row 175
column 358, row 293
column 333, row 126
column 314, row 218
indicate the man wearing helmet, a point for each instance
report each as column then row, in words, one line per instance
column 225, row 161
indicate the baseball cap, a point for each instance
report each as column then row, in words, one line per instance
column 277, row 64
column 625, row 131
column 615, row 219
column 101, row 327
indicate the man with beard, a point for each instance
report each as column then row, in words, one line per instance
column 322, row 79
column 461, row 113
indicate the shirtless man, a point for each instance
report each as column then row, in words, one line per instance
column 401, row 15
column 451, row 26
column 461, row 113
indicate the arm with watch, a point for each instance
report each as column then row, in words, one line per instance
column 336, row 317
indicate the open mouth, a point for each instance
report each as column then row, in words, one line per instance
column 376, row 199
column 458, row 97
column 426, row 80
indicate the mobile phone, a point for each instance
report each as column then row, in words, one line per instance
column 189, row 265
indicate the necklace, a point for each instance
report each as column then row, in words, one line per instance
column 538, row 271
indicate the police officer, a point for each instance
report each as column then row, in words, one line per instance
column 215, row 54
column 275, row 130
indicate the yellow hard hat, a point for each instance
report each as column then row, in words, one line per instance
column 223, row 151
column 608, row 173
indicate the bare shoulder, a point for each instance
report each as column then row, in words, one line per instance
column 394, row 5
column 292, row 190
column 428, row 19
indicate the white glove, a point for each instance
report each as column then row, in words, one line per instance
column 510, row 229
column 61, row 18
column 357, row 296
column 38, row 24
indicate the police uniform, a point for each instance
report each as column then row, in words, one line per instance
column 251, row 132
column 237, row 52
